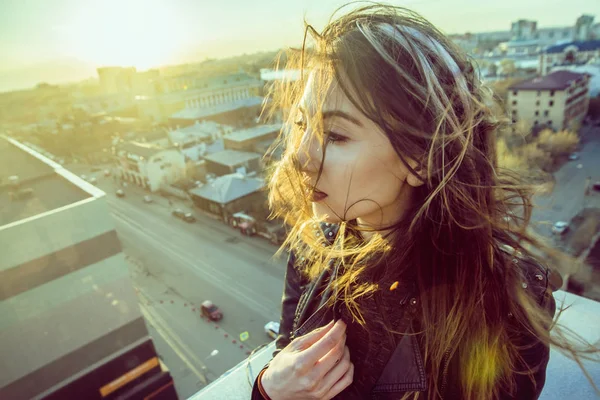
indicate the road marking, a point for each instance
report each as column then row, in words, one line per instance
column 220, row 278
column 172, row 340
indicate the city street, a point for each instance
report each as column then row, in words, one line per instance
column 567, row 197
column 176, row 265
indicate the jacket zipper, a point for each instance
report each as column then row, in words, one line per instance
column 445, row 372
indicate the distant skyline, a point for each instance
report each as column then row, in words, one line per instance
column 57, row 40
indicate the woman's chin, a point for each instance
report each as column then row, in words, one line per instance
column 323, row 213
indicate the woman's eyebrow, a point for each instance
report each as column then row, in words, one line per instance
column 336, row 113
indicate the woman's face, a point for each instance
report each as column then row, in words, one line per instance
column 362, row 177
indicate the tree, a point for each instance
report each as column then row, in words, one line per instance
column 558, row 143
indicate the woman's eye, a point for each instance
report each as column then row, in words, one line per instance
column 335, row 138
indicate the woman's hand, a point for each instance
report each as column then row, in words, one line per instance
column 314, row 366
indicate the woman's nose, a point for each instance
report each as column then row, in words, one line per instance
column 309, row 153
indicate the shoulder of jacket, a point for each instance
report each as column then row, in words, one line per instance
column 536, row 277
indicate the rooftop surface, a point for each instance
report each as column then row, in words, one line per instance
column 231, row 158
column 588, row 45
column 227, row 188
column 253, row 133
column 557, row 80
column 41, row 188
column 199, row 113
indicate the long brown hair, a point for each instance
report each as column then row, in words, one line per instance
column 425, row 94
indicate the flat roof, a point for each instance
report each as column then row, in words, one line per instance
column 557, row 80
column 231, row 158
column 42, row 188
column 252, row 133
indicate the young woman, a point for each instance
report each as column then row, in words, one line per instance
column 405, row 279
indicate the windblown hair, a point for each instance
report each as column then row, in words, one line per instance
column 425, row 94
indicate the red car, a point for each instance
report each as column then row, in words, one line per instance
column 209, row 310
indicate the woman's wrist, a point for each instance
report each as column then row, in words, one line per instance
column 261, row 387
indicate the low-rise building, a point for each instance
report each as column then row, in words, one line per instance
column 232, row 161
column 558, row 100
column 229, row 194
column 571, row 53
column 252, row 139
column 238, row 113
column 71, row 326
column 149, row 166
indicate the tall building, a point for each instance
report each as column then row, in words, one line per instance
column 583, row 27
column 557, row 100
column 71, row 327
column 523, row 30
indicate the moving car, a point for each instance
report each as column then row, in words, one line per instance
column 106, row 172
column 120, row 193
column 574, row 156
column 209, row 310
column 560, row 227
column 186, row 216
column 147, row 199
column 272, row 329
column 93, row 180
column 244, row 222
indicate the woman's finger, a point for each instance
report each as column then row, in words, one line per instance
column 304, row 342
column 337, row 371
column 342, row 383
column 322, row 345
column 330, row 360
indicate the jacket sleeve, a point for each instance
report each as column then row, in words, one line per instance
column 293, row 286
column 535, row 357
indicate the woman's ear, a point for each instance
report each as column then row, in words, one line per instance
column 415, row 180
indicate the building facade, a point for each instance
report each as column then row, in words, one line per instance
column 232, row 161
column 252, row 139
column 558, row 100
column 147, row 166
column 571, row 53
column 71, row 325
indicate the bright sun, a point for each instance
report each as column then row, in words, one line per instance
column 137, row 33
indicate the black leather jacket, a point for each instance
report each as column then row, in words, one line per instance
column 387, row 365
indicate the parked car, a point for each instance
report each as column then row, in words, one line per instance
column 93, row 180
column 209, row 310
column 147, row 199
column 560, row 227
column 573, row 156
column 120, row 193
column 272, row 329
column 106, row 172
column 245, row 223
column 186, row 216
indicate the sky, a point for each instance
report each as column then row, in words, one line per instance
column 58, row 37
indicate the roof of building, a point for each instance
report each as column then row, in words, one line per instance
column 199, row 113
column 41, row 188
column 145, row 150
column 228, row 188
column 588, row 45
column 253, row 133
column 231, row 158
column 554, row 81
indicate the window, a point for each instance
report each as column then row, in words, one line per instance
column 514, row 92
column 539, row 92
column 549, row 122
column 514, row 121
column 545, row 113
column 537, row 103
column 537, row 113
column 551, row 93
column 514, row 103
column 535, row 122
column 551, row 103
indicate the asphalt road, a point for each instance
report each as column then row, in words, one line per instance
column 176, row 265
column 567, row 197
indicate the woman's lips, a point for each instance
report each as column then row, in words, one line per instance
column 317, row 196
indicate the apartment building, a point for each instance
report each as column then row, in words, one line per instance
column 557, row 100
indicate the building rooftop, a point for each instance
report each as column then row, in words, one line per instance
column 231, row 158
column 555, row 81
column 227, row 188
column 588, row 45
column 145, row 150
column 252, row 133
column 41, row 188
column 199, row 113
